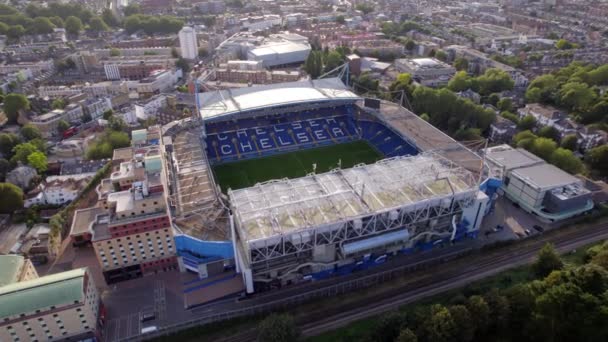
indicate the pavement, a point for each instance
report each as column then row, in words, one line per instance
column 514, row 220
column 10, row 235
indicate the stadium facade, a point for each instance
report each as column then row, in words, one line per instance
column 424, row 192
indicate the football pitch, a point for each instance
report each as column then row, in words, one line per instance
column 242, row 174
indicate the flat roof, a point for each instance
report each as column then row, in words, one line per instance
column 10, row 266
column 545, row 176
column 84, row 219
column 224, row 102
column 513, row 158
column 52, row 290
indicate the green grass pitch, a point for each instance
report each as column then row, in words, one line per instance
column 242, row 174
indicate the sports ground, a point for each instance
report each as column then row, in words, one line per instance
column 246, row 173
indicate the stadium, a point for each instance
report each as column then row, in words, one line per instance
column 307, row 180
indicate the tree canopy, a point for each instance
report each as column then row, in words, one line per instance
column 12, row 198
column 73, row 25
column 278, row 328
column 13, row 103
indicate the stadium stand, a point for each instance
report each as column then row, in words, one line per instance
column 263, row 136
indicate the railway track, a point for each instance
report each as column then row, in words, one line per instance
column 423, row 284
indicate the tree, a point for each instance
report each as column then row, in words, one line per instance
column 58, row 103
column 494, row 81
column 547, row 261
column 73, row 25
column 278, row 328
column 12, row 198
column 524, row 138
column 13, row 103
column 8, row 141
column 521, row 306
column 131, row 9
column 576, row 95
column 332, row 61
column 5, row 167
column 340, row 19
column 597, row 157
column 117, row 123
column 549, row 132
column 98, row 25
column 38, row 161
column 387, row 327
column 563, row 44
column 499, row 311
column 62, row 126
column 480, row 312
column 365, row 8
column 505, row 104
column 202, row 52
column 15, row 32
column 406, row 335
column 440, row 326
column 462, row 318
column 493, row 99
column 3, row 28
column 314, row 64
column 460, row 81
column 174, row 53
column 109, row 18
column 114, row 52
column 510, row 116
column 107, row 114
column 527, row 122
column 542, row 89
column 441, row 55
column 570, row 142
column 461, row 64
column 543, row 147
column 42, row 25
column 22, row 151
column 182, row 64
column 29, row 132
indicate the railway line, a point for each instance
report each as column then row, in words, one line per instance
column 423, row 284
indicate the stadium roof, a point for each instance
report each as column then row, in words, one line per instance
column 224, row 102
column 286, row 206
column 53, row 290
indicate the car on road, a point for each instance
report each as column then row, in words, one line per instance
column 528, row 232
column 538, row 228
column 147, row 316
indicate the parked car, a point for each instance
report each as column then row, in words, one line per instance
column 528, row 232
column 538, row 228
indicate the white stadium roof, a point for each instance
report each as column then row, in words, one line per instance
column 282, row 207
column 224, row 102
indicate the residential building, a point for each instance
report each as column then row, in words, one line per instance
column 95, row 107
column 58, row 190
column 47, row 123
column 589, row 138
column 188, row 42
column 502, row 130
column 21, row 176
column 429, row 72
column 545, row 115
column 58, row 307
column 15, row 268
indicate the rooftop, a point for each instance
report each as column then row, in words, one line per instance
column 54, row 290
column 511, row 158
column 290, row 205
column 231, row 101
column 10, row 268
column 545, row 176
column 85, row 219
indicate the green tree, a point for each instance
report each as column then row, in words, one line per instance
column 13, row 103
column 597, row 157
column 441, row 55
column 57, row 21
column 38, row 161
column 406, row 335
column 12, row 198
column 3, row 28
column 98, row 25
column 107, row 114
column 42, row 25
column 493, row 99
column 131, row 9
column 410, row 45
column 505, row 104
column 8, row 141
column 461, row 64
column 117, row 123
column 494, row 81
column 480, row 312
column 459, row 82
column 524, row 137
column 62, row 126
column 499, row 311
column 439, row 326
column 182, row 64
column 576, row 95
column 278, row 328
column 15, row 32
column 547, row 261
column 73, row 25
column 365, row 8
column 22, row 151
column 30, row 132
column 387, row 327
column 340, row 19
column 542, row 89
column 314, row 64
column 563, row 44
column 566, row 160
column 521, row 300
column 202, row 52
column 510, row 116
column 570, row 142
column 109, row 18
column 58, row 103
column 527, row 122
column 549, row 132
column 543, row 147
column 332, row 61
column 462, row 318
column 5, row 167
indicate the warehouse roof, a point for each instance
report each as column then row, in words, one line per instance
column 510, row 158
column 53, row 290
column 545, row 176
column 219, row 103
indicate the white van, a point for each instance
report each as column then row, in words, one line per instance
column 149, row 329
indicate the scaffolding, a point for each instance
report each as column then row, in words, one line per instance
column 289, row 216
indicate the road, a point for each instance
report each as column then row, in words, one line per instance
column 443, row 278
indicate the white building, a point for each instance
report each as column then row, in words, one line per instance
column 58, row 190
column 150, row 108
column 112, row 72
column 188, row 42
column 429, row 72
